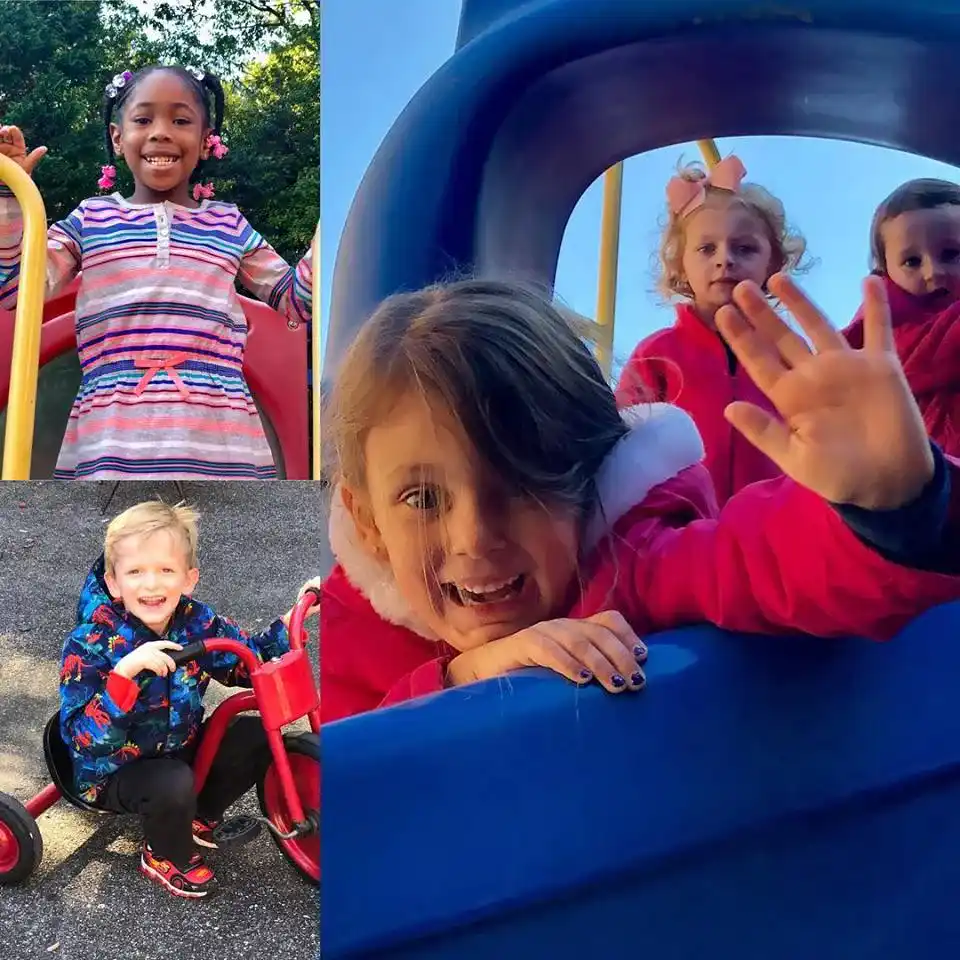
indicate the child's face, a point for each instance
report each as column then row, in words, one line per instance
column 922, row 251
column 161, row 136
column 473, row 562
column 724, row 243
column 149, row 575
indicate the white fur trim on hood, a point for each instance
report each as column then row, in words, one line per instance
column 662, row 442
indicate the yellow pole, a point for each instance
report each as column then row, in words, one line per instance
column 711, row 155
column 609, row 256
column 25, row 358
column 317, row 354
column 610, row 252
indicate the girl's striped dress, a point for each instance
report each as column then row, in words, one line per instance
column 160, row 334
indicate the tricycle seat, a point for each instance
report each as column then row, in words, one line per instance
column 57, row 755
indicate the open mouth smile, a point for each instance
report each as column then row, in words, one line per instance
column 161, row 161
column 152, row 603
column 476, row 594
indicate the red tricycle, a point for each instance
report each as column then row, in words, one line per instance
column 283, row 691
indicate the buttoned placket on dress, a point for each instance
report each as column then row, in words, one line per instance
column 162, row 217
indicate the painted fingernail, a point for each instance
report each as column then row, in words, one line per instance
column 638, row 679
column 639, row 650
column 618, row 681
column 586, row 675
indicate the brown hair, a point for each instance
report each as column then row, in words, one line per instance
column 923, row 194
column 144, row 519
column 787, row 245
column 509, row 366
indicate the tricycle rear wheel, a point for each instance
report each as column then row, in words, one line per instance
column 302, row 852
column 21, row 846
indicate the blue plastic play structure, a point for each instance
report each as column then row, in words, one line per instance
column 487, row 162
column 764, row 798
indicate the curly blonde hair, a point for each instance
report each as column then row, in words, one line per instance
column 787, row 245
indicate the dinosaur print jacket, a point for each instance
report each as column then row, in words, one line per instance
column 107, row 720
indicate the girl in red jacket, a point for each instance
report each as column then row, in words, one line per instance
column 719, row 232
column 493, row 510
column 915, row 247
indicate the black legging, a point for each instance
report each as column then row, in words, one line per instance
column 160, row 789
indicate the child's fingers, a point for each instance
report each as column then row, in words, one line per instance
column 877, row 328
column 600, row 652
column 793, row 349
column 822, row 334
column 315, row 584
column 768, row 434
column 616, row 623
column 756, row 353
column 161, row 664
column 554, row 656
column 33, row 158
column 166, row 645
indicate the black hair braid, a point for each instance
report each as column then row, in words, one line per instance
column 203, row 90
column 210, row 83
column 108, row 105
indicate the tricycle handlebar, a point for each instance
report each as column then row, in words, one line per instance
column 192, row 651
column 311, row 597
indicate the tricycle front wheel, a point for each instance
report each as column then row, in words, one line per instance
column 21, row 846
column 303, row 750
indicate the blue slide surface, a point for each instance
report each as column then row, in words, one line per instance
column 764, row 798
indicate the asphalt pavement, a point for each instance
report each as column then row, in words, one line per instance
column 258, row 543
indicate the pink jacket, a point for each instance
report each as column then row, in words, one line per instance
column 690, row 366
column 778, row 559
column 928, row 344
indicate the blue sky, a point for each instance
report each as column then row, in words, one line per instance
column 377, row 54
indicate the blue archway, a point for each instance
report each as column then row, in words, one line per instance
column 485, row 165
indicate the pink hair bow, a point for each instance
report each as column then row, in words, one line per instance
column 108, row 176
column 684, row 196
column 217, row 147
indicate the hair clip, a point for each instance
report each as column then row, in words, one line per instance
column 119, row 81
column 196, row 73
column 216, row 146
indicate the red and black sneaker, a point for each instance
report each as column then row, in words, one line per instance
column 195, row 880
column 203, row 832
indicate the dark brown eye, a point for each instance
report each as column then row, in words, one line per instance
column 423, row 498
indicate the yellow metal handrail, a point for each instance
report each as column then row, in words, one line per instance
column 609, row 263
column 317, row 354
column 25, row 357
column 610, row 254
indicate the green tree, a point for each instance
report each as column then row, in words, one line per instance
column 51, row 86
column 52, row 79
column 224, row 33
column 274, row 163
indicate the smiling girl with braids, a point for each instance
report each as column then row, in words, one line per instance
column 160, row 329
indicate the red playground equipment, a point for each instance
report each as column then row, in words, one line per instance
column 275, row 366
column 283, row 691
